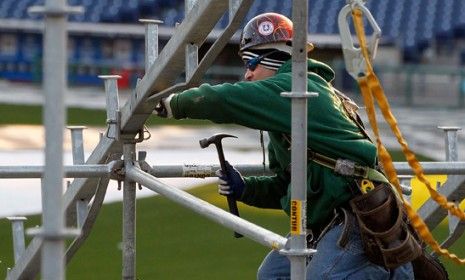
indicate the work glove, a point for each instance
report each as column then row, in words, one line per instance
column 163, row 108
column 232, row 184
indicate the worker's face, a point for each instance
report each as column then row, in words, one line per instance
column 259, row 73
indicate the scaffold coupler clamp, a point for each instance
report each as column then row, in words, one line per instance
column 118, row 172
column 353, row 58
column 289, row 252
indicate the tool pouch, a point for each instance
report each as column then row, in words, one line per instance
column 428, row 267
column 387, row 237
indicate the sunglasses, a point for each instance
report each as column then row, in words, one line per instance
column 252, row 64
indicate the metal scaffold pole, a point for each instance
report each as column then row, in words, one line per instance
column 53, row 231
column 54, row 121
column 298, row 252
column 129, row 216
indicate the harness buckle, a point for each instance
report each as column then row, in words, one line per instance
column 345, row 167
column 363, row 171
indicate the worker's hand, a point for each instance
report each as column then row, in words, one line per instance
column 163, row 108
column 232, row 184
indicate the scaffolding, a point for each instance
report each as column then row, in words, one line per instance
column 116, row 156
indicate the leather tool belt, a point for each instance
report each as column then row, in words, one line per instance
column 384, row 228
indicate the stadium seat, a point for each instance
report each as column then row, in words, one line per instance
column 458, row 17
column 316, row 16
column 149, row 9
column 413, row 25
column 110, row 15
column 330, row 19
column 129, row 14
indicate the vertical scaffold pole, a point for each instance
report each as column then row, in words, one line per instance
column 298, row 251
column 452, row 154
column 192, row 50
column 77, row 144
column 17, row 227
column 451, row 142
column 151, row 41
column 53, row 231
column 129, row 216
column 54, row 120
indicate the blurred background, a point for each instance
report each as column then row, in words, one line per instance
column 420, row 58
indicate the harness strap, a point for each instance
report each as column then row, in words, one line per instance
column 344, row 167
column 347, row 167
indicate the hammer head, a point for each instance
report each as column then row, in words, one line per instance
column 215, row 139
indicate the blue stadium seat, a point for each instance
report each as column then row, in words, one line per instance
column 315, row 16
column 458, row 17
column 412, row 24
column 330, row 18
column 129, row 14
column 424, row 31
column 443, row 31
column 110, row 15
column 149, row 9
column 395, row 12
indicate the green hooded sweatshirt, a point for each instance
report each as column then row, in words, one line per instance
column 259, row 105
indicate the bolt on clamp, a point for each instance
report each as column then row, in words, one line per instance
column 354, row 61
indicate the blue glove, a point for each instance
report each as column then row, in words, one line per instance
column 163, row 108
column 232, row 184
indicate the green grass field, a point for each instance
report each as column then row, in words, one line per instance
column 175, row 243
column 172, row 242
column 32, row 114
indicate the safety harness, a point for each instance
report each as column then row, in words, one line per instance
column 371, row 90
column 343, row 167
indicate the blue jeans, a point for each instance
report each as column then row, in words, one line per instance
column 333, row 262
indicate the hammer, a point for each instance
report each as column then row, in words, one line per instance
column 216, row 139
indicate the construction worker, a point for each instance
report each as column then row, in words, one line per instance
column 333, row 133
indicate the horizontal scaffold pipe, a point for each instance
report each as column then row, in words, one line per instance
column 437, row 168
column 203, row 171
column 73, row 171
column 254, row 232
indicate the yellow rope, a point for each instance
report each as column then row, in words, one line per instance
column 370, row 87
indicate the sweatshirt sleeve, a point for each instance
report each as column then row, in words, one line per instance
column 251, row 104
column 265, row 191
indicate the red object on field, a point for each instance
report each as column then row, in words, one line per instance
column 125, row 81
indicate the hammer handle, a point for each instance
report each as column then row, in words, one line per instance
column 232, row 204
column 233, row 210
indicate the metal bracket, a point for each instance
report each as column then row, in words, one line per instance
column 143, row 165
column 297, row 253
column 114, row 126
column 344, row 167
column 117, row 170
column 140, row 136
column 354, row 61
